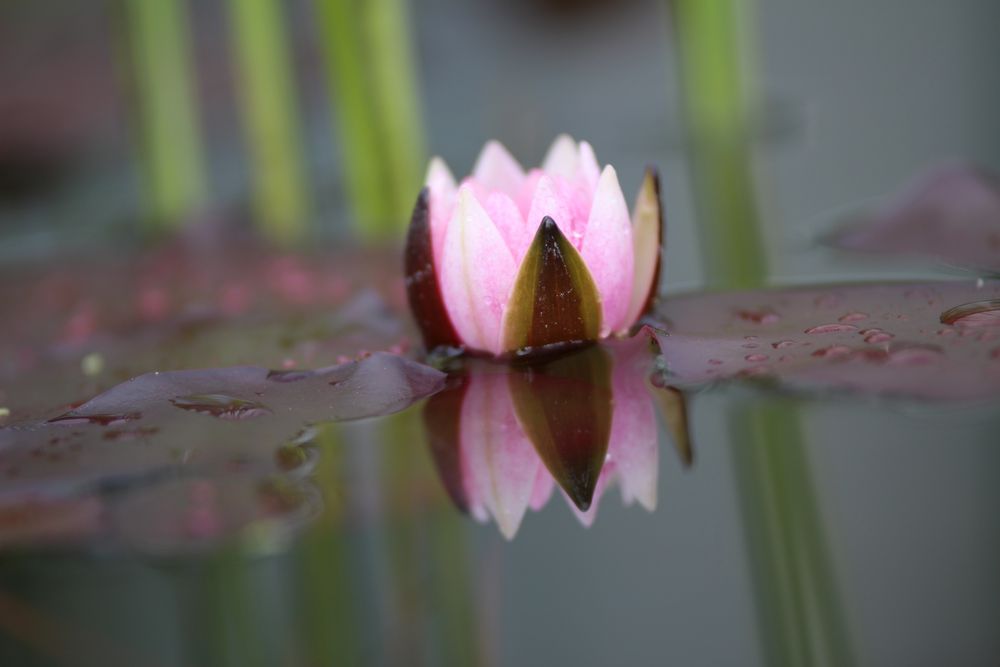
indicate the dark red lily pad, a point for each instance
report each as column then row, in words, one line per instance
column 872, row 339
column 211, row 297
column 199, row 421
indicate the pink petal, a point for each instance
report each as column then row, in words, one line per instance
column 632, row 447
column 526, row 195
column 562, row 158
column 477, row 271
column 497, row 169
column 507, row 218
column 548, row 201
column 442, row 188
column 499, row 463
column 607, row 250
column 589, row 171
column 574, row 162
column 543, row 489
column 579, row 200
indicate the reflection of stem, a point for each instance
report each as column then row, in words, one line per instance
column 797, row 598
column 270, row 114
column 332, row 625
column 801, row 617
column 428, row 552
column 370, row 64
column 167, row 106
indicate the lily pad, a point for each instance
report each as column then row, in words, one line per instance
column 884, row 339
column 199, row 422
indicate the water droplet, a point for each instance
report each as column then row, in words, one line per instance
column 833, row 352
column 750, row 346
column 852, row 317
column 831, row 328
column 872, row 355
column 221, row 406
column 760, row 316
column 756, row 357
column 974, row 314
column 782, row 344
column 715, row 362
column 878, row 337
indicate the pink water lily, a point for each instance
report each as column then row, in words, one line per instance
column 509, row 259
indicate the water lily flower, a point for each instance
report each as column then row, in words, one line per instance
column 509, row 259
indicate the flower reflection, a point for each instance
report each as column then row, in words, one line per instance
column 503, row 437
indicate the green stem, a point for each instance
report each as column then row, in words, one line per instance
column 270, row 117
column 373, row 85
column 167, row 106
column 716, row 78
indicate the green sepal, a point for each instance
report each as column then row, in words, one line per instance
column 554, row 299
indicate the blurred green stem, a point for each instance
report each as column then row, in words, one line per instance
column 800, row 612
column 430, row 557
column 718, row 105
column 270, row 117
column 167, row 105
column 369, row 60
column 798, row 604
column 333, row 625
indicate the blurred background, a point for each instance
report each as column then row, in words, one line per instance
column 314, row 118
column 830, row 532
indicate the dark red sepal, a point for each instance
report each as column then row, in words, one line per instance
column 422, row 288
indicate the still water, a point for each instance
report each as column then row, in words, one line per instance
column 790, row 477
